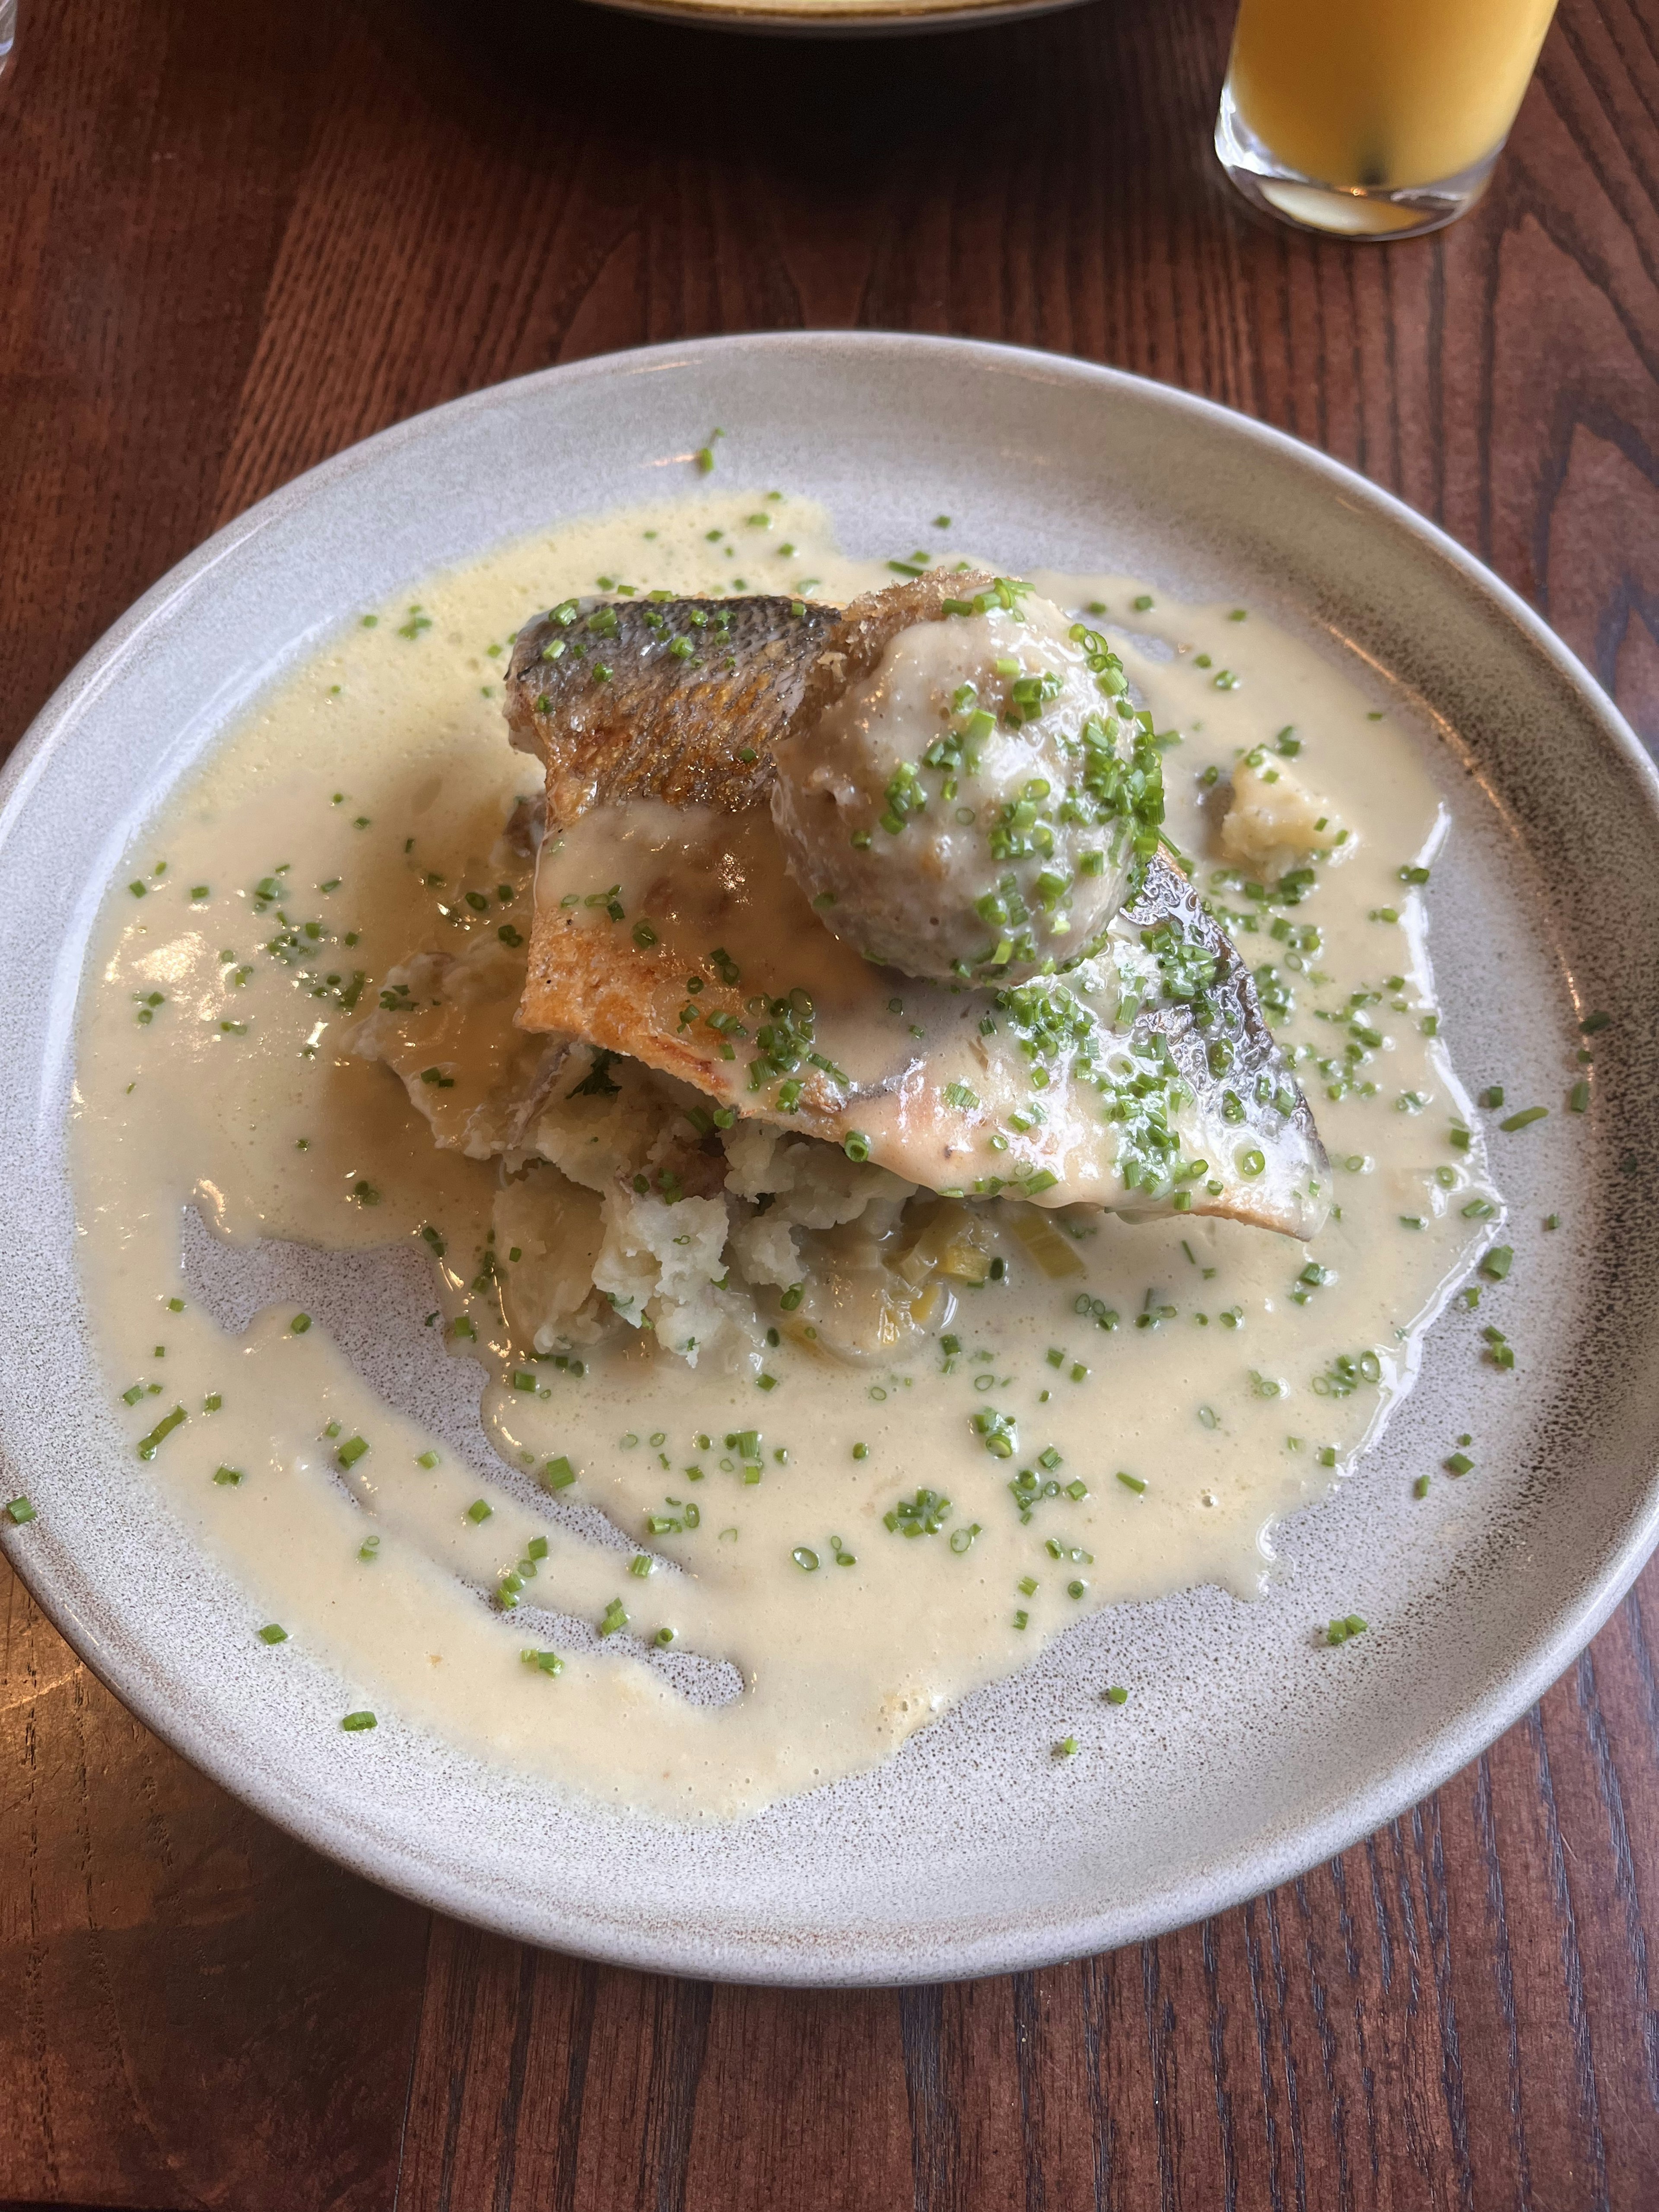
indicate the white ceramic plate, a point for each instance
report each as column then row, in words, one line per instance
column 1244, row 1754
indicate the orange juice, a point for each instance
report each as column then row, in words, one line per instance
column 1383, row 95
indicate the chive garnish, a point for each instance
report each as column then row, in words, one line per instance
column 148, row 1446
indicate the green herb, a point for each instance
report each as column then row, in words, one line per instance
column 355, row 1723
column 615, row 1619
column 1067, row 1748
column 544, row 1663
column 352, row 1451
column 1341, row 1631
column 273, row 1632
column 228, row 1477
column 924, row 1515
column 1131, row 1482
column 1458, row 1463
column 1497, row 1263
column 19, row 1511
column 149, row 1445
column 997, row 1432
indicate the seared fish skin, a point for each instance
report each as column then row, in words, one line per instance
column 1273, row 1111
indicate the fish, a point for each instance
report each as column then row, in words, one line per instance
column 1146, row 1079
column 685, row 700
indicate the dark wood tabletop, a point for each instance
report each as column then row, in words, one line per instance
column 235, row 238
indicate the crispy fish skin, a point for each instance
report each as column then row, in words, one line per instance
column 631, row 699
column 1167, row 894
column 695, row 692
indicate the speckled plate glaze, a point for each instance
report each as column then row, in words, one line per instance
column 1244, row 1754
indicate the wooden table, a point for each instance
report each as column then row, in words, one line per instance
column 233, row 239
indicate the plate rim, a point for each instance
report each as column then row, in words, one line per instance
column 835, row 19
column 1299, row 1843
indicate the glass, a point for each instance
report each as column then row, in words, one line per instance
column 1375, row 118
column 8, row 31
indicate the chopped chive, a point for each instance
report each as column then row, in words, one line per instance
column 1524, row 1118
column 273, row 1632
column 20, row 1511
column 355, row 1723
column 148, row 1446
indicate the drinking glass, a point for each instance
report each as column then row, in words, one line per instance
column 1375, row 118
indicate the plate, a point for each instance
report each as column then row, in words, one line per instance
column 836, row 19
column 1243, row 1756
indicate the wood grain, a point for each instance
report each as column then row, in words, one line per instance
column 232, row 241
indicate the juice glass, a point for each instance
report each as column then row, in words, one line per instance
column 1375, row 119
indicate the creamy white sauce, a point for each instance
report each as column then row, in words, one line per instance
column 214, row 1071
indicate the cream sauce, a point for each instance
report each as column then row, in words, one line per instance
column 367, row 796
